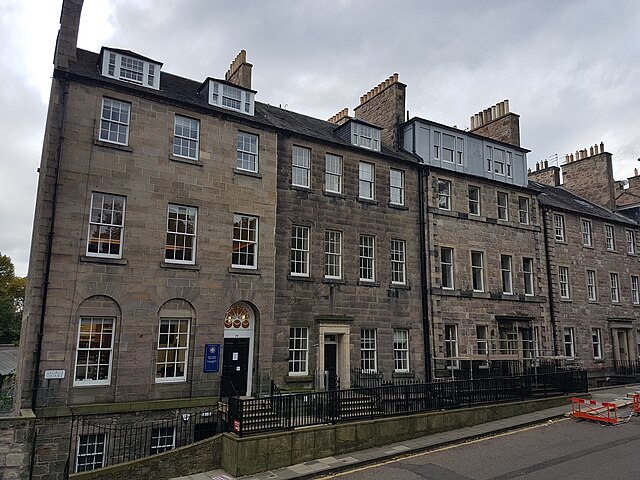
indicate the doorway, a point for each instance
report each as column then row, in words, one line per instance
column 235, row 366
column 331, row 379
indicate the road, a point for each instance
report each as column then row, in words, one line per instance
column 566, row 449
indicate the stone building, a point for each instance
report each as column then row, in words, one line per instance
column 593, row 263
column 191, row 243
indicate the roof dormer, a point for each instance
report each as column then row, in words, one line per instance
column 130, row 67
column 361, row 134
column 223, row 94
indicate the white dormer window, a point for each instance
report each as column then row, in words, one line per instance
column 230, row 97
column 131, row 69
column 365, row 136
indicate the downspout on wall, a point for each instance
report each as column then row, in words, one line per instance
column 552, row 313
column 423, row 174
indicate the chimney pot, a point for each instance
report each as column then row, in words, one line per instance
column 591, row 152
column 601, row 147
column 546, row 164
column 506, row 106
column 635, row 172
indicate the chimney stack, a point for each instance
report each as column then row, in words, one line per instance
column 239, row 72
column 498, row 123
column 67, row 42
column 384, row 106
column 591, row 176
column 341, row 117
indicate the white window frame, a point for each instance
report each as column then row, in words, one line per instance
column 587, row 239
column 558, row 222
column 163, row 439
column 247, row 152
column 106, row 221
column 367, row 249
column 631, row 242
column 333, row 254
column 365, row 136
column 396, row 186
column 614, row 284
column 568, row 335
column 401, row 350
column 173, row 341
column 451, row 345
column 448, row 148
column 333, row 173
column 398, row 262
column 477, row 271
column 181, row 234
column 523, row 210
column 220, row 96
column 482, row 340
column 474, row 203
column 527, row 273
column 368, row 350
column 563, row 282
column 460, row 150
column 489, row 157
column 300, row 166
column 94, row 447
column 245, row 241
column 115, row 119
column 499, row 160
column 112, row 66
column 596, row 341
column 91, row 341
column 446, row 265
column 635, row 290
column 592, row 286
column 298, row 351
column 444, row 194
column 186, row 137
column 502, row 199
column 299, row 260
column 436, row 145
column 366, row 180
column 610, row 236
column 506, row 274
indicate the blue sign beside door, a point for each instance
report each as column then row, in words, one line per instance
column 211, row 357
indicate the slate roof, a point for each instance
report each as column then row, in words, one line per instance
column 559, row 198
column 627, row 198
column 183, row 90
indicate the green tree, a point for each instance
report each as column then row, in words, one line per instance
column 11, row 301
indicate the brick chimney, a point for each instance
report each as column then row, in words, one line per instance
column 545, row 174
column 498, row 123
column 239, row 72
column 634, row 183
column 384, row 106
column 67, row 42
column 341, row 117
column 590, row 175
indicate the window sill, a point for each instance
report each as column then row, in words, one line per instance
column 189, row 161
column 365, row 283
column 116, row 146
column 397, row 206
column 403, row 375
column 368, row 201
column 300, row 278
column 104, row 260
column 334, row 194
column 335, row 281
column 300, row 188
column 299, row 378
column 247, row 173
column 179, row 266
column 245, row 271
column 590, row 247
column 399, row 286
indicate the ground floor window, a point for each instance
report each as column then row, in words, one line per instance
column 401, row 350
column 90, row 452
column 451, row 345
column 368, row 350
column 569, row 342
column 596, row 337
column 298, row 350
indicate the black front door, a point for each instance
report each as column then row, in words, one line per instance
column 235, row 366
column 331, row 366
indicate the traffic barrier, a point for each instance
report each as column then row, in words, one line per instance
column 591, row 410
column 636, row 403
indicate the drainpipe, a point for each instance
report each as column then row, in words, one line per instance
column 552, row 312
column 50, row 235
column 424, row 259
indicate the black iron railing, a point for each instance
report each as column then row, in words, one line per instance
column 285, row 412
column 100, row 442
column 627, row 367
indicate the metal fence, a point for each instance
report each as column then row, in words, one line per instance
column 99, row 442
column 285, row 412
column 627, row 367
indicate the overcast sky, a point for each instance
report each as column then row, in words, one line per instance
column 570, row 69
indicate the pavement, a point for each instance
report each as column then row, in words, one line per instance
column 328, row 465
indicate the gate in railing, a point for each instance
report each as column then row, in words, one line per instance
column 284, row 412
